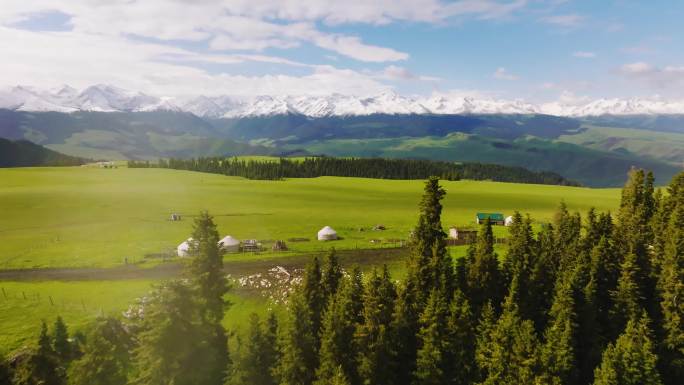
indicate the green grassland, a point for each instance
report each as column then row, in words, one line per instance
column 86, row 217
column 592, row 166
column 667, row 146
column 95, row 217
column 24, row 304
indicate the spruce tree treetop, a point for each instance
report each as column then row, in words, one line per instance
column 631, row 360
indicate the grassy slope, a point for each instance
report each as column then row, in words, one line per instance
column 95, row 217
column 590, row 166
column 668, row 146
column 77, row 302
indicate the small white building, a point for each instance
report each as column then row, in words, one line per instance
column 508, row 221
column 327, row 234
column 453, row 233
column 229, row 244
column 183, row 249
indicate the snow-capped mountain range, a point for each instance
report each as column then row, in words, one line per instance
column 106, row 98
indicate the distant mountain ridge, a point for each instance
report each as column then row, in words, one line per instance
column 107, row 98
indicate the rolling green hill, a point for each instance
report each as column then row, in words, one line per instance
column 22, row 153
column 594, row 151
column 593, row 167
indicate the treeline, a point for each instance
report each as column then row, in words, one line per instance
column 594, row 300
column 22, row 153
column 378, row 168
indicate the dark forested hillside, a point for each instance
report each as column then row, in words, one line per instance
column 358, row 167
column 22, row 153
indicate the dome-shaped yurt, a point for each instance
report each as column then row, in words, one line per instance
column 508, row 221
column 229, row 244
column 183, row 249
column 327, row 234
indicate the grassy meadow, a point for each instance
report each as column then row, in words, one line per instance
column 89, row 217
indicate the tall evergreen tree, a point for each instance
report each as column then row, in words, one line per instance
column 106, row 355
column 509, row 354
column 331, row 275
column 671, row 285
column 375, row 331
column 558, row 352
column 258, row 356
column 460, row 366
column 430, row 265
column 631, row 360
column 315, row 297
column 627, row 297
column 338, row 343
column 174, row 337
column 207, row 275
column 432, row 367
column 42, row 367
column 60, row 341
column 299, row 358
column 519, row 264
column 483, row 277
column 544, row 275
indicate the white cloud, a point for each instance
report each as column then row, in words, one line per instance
column 38, row 60
column 571, row 20
column 659, row 77
column 393, row 72
column 502, row 74
column 584, row 54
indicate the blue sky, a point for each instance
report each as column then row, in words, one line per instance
column 528, row 49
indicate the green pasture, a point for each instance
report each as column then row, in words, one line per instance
column 24, row 304
column 92, row 217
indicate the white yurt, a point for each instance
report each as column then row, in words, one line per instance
column 184, row 248
column 229, row 244
column 508, row 221
column 453, row 233
column 327, row 234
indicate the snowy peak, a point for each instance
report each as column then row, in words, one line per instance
column 107, row 98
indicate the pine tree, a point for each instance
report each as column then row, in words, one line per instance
column 627, row 297
column 206, row 273
column 60, row 341
column 509, row 353
column 631, row 360
column 314, row 296
column 258, row 356
column 431, row 359
column 299, row 358
column 544, row 275
column 460, row 357
column 174, row 337
column 106, row 355
column 42, row 366
column 671, row 285
column 484, row 281
column 519, row 264
column 338, row 344
column 558, row 352
column 332, row 274
column 375, row 330
column 404, row 330
column 568, row 227
column 430, row 265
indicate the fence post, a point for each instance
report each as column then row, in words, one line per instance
column 4, row 294
column 23, row 294
column 51, row 302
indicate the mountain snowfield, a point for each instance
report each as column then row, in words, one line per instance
column 107, row 98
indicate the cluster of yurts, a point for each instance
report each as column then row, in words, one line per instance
column 231, row 244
